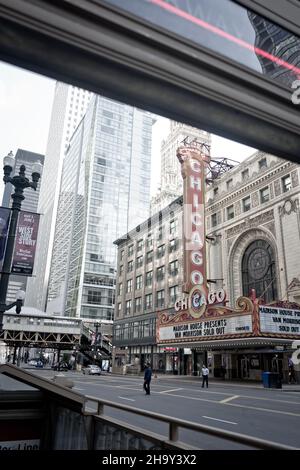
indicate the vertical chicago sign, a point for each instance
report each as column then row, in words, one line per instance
column 200, row 315
column 192, row 159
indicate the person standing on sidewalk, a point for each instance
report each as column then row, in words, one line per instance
column 205, row 373
column 147, row 378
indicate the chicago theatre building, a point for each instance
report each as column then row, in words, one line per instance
column 214, row 278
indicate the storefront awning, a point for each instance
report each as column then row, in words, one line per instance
column 236, row 343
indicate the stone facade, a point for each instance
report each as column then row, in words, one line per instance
column 273, row 215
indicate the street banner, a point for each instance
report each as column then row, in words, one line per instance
column 4, row 224
column 25, row 243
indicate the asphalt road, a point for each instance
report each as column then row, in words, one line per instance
column 270, row 414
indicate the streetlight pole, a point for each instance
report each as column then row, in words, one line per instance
column 20, row 182
column 97, row 326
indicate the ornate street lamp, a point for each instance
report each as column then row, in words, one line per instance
column 20, row 182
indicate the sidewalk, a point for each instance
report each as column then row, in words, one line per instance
column 225, row 383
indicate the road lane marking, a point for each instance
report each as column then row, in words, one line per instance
column 76, row 388
column 129, row 399
column 271, row 399
column 229, row 399
column 172, row 390
column 217, row 419
column 289, row 413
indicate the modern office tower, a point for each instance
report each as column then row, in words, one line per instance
column 30, row 203
column 69, row 106
column 105, row 190
column 171, row 179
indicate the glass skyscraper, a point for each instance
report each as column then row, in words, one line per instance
column 69, row 106
column 105, row 191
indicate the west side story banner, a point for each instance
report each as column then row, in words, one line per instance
column 4, row 224
column 25, row 243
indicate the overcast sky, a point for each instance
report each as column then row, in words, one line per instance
column 25, row 104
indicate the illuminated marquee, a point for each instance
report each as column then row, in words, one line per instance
column 192, row 169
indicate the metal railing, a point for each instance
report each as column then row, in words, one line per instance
column 174, row 424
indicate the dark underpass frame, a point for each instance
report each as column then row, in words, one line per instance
column 95, row 46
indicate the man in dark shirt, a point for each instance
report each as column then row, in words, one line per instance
column 147, row 378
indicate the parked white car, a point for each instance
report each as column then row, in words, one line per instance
column 92, row 370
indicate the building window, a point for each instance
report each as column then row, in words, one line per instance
column 214, row 220
column 138, row 304
column 246, row 204
column 245, row 174
column 160, row 273
column 173, row 226
column 229, row 184
column 148, row 301
column 286, row 183
column 264, row 194
column 139, row 262
column 230, row 212
column 161, row 251
column 101, row 161
column 262, row 163
column 119, row 309
column 139, row 282
column 129, row 286
column 149, row 256
column 129, row 266
column 160, row 298
column 128, row 307
column 258, row 271
column 130, row 250
column 149, row 241
column 120, row 289
column 173, row 292
column 173, row 268
column 122, row 254
column 149, row 276
column 140, row 245
column 216, row 190
column 121, row 270
column 173, row 245
column 94, row 297
column 160, row 233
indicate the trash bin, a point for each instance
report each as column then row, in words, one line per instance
column 271, row 380
column 266, row 379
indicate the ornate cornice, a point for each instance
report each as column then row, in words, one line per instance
column 288, row 207
column 253, row 182
column 294, row 284
column 250, row 222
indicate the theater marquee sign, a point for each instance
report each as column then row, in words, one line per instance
column 216, row 322
column 279, row 321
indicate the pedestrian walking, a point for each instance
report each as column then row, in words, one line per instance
column 205, row 373
column 292, row 375
column 147, row 378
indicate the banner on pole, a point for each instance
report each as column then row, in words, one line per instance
column 4, row 224
column 25, row 243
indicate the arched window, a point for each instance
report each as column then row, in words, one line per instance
column 258, row 271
